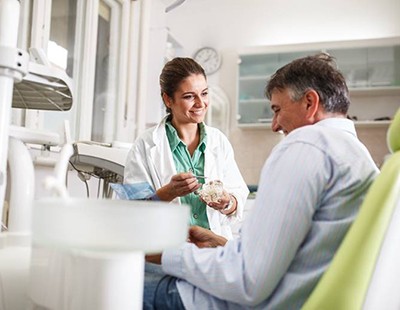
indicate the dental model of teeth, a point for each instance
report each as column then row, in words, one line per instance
column 211, row 191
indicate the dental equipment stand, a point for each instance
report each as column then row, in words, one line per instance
column 103, row 161
column 85, row 253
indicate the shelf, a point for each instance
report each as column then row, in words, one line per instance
column 254, row 126
column 255, row 78
column 375, row 91
column 354, row 91
column 256, row 100
column 358, row 124
column 372, row 124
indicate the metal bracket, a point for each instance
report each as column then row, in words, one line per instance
column 13, row 62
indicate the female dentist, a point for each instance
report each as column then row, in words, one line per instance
column 174, row 155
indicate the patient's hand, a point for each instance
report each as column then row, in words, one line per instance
column 153, row 258
column 205, row 238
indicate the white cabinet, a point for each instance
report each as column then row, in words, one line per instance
column 371, row 69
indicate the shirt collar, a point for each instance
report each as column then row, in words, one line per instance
column 174, row 139
column 172, row 135
column 339, row 122
column 203, row 137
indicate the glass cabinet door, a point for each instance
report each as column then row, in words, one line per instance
column 353, row 64
column 384, row 66
column 254, row 71
column 369, row 67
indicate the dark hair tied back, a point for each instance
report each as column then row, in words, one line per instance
column 174, row 72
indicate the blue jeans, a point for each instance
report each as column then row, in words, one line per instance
column 160, row 291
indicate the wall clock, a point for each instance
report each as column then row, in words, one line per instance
column 209, row 59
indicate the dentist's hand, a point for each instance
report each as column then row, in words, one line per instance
column 222, row 202
column 180, row 185
column 226, row 204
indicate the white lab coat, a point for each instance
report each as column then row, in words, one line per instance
column 150, row 160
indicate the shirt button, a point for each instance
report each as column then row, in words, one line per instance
column 195, row 216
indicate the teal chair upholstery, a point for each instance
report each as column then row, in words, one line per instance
column 365, row 271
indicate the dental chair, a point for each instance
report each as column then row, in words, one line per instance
column 365, row 272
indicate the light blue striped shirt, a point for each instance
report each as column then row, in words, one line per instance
column 310, row 189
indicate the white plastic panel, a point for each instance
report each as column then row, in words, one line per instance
column 108, row 225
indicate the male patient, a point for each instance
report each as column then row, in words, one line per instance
column 310, row 190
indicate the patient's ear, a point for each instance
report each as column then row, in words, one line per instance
column 312, row 103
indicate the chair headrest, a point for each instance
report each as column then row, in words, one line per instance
column 393, row 134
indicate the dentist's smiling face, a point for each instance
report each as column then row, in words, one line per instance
column 190, row 101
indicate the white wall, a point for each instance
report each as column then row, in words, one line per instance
column 157, row 40
column 227, row 24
